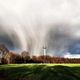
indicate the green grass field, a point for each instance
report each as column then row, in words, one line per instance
column 40, row 72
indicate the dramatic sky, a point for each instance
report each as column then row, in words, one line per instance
column 32, row 24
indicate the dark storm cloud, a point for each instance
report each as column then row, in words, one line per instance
column 7, row 38
column 62, row 38
column 7, row 41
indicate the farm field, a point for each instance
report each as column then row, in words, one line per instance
column 40, row 72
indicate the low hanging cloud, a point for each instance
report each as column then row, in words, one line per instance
column 32, row 24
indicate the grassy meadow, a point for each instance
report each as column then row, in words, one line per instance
column 40, row 72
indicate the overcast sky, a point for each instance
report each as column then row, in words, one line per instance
column 31, row 24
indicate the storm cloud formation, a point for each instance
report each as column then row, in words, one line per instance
column 31, row 24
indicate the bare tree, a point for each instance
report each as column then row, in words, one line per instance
column 10, row 57
column 3, row 51
column 26, row 56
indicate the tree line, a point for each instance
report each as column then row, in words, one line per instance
column 7, row 57
column 24, row 57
